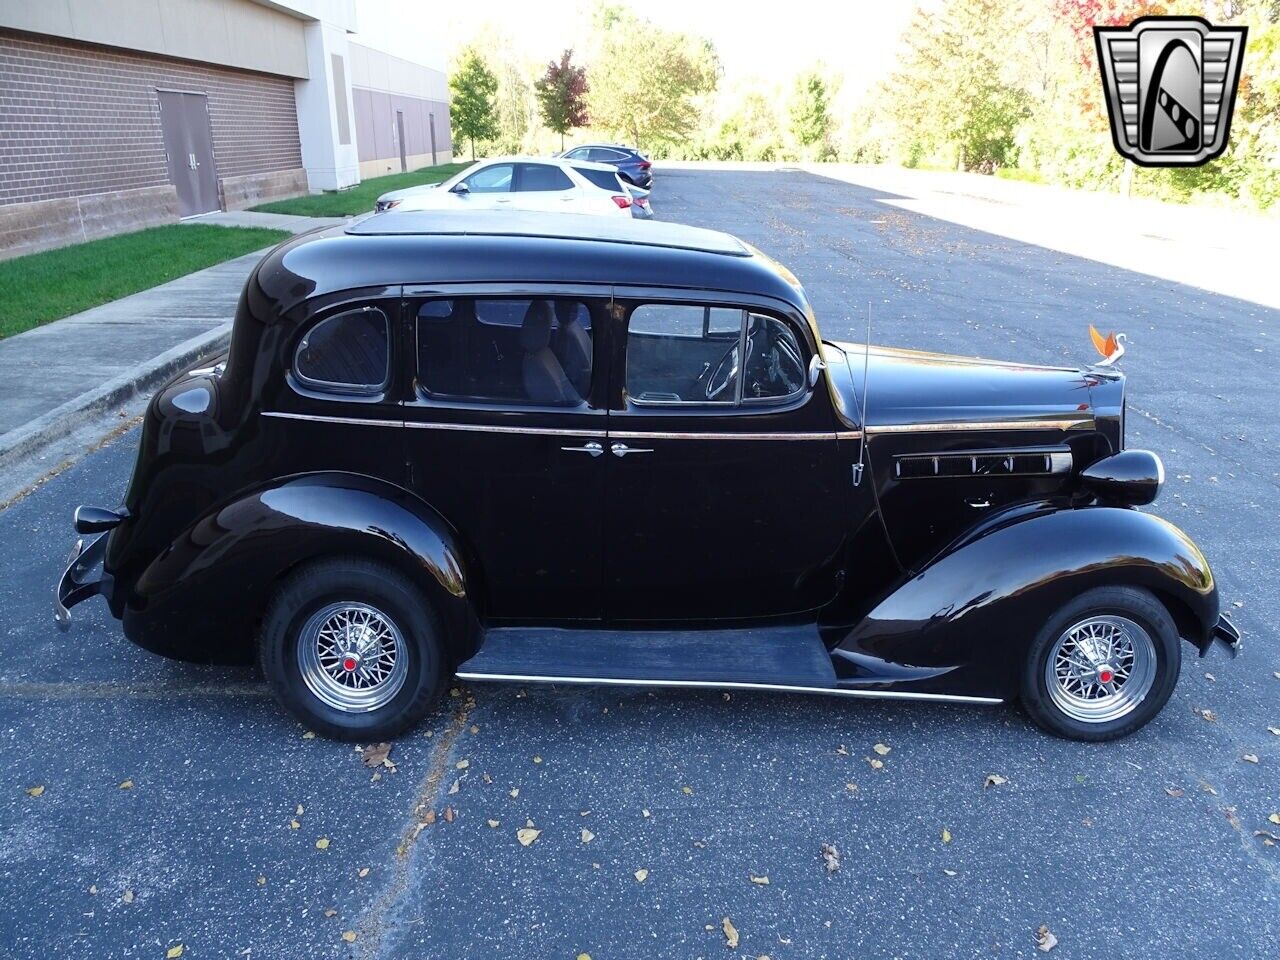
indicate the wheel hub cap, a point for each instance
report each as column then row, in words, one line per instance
column 1100, row 669
column 352, row 656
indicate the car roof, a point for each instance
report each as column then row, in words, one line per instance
column 554, row 161
column 508, row 248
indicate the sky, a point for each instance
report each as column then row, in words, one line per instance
column 855, row 38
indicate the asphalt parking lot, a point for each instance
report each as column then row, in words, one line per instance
column 171, row 792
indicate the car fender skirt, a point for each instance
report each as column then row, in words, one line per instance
column 963, row 623
column 201, row 598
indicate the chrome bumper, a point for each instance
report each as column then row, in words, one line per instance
column 1228, row 634
column 78, row 582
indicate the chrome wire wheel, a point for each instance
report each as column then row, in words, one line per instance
column 352, row 656
column 1100, row 669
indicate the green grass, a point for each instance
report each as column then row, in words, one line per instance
column 41, row 287
column 1017, row 173
column 359, row 199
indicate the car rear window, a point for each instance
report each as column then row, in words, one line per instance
column 604, row 179
column 542, row 177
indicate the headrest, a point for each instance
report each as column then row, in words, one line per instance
column 535, row 332
column 567, row 311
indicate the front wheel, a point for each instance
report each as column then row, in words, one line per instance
column 351, row 649
column 1103, row 666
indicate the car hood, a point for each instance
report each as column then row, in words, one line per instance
column 407, row 192
column 916, row 387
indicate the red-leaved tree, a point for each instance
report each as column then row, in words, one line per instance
column 562, row 95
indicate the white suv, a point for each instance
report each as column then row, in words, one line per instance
column 521, row 183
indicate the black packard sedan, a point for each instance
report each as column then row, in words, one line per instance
column 522, row 448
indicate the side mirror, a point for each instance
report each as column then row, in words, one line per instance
column 460, row 188
column 816, row 366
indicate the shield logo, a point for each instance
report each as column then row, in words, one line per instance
column 1171, row 86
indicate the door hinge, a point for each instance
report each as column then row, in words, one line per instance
column 857, row 473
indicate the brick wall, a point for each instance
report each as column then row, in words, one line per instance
column 78, row 119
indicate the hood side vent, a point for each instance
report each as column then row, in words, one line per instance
column 1018, row 462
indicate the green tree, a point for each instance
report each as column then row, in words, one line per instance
column 562, row 95
column 811, row 111
column 647, row 82
column 471, row 109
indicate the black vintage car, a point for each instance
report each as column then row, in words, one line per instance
column 523, row 448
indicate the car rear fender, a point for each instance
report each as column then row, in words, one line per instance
column 208, row 589
column 963, row 624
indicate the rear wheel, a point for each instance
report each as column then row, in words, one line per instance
column 351, row 648
column 1103, row 666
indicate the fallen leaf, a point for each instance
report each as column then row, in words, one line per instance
column 646, row 814
column 448, row 814
column 294, row 824
column 93, row 888
column 462, row 764
column 126, row 784
column 374, row 755
column 35, row 791
column 128, row 896
column 730, row 933
column 454, row 789
column 1268, row 838
column 349, row 936
column 330, row 912
column 842, row 750
column 1250, row 758
column 1274, row 818
column 486, row 778
column 1208, row 789
column 474, row 728
column 362, row 872
column 946, row 835
column 875, row 764
column 493, row 823
column 881, row 749
column 174, row 952
column 1173, row 791
column 1210, row 676
column 587, row 835
column 537, row 759
column 641, row 875
column 376, row 777
column 299, row 811
column 1232, row 819
column 761, row 881
column 1045, row 940
column 830, row 857
column 993, row 780
column 949, row 873
column 687, row 791
column 851, row 787
column 1274, row 731
column 1209, row 715
column 322, row 843
column 583, row 956
column 515, row 792
column 429, row 818
column 526, row 835
column 262, row 881
column 309, row 735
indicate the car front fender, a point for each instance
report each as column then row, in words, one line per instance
column 963, row 624
column 202, row 597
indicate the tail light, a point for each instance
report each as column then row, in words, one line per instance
column 642, row 201
column 645, row 164
column 622, row 202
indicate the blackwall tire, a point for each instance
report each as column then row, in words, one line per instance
column 352, row 649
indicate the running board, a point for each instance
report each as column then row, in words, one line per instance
column 785, row 659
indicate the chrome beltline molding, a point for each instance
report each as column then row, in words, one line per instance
column 732, row 685
column 886, row 428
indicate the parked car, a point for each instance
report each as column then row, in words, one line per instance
column 633, row 165
column 520, row 183
column 579, row 450
column 641, row 203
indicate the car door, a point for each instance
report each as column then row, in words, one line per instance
column 545, row 187
column 724, row 481
column 504, row 437
column 488, row 188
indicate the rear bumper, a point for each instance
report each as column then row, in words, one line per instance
column 1227, row 634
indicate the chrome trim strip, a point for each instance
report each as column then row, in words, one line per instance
column 358, row 421
column 689, row 435
column 1057, row 424
column 469, row 427
column 848, row 434
column 732, row 685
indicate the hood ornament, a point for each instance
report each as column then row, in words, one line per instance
column 1111, row 347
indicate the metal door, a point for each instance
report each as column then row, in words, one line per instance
column 432, row 124
column 404, row 163
column 188, row 147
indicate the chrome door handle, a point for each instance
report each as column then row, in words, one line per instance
column 592, row 448
column 621, row 449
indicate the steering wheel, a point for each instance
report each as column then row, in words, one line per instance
column 722, row 374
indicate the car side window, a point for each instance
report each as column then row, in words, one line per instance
column 604, row 179
column 348, row 353
column 509, row 350
column 693, row 354
column 493, row 179
column 542, row 177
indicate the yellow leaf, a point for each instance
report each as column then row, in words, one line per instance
column 309, row 735
column 174, row 952
column 762, row 881
column 362, row 872
column 946, row 835
column 687, row 791
column 294, row 824
column 583, row 956
column 492, row 823
column 537, row 759
column 35, row 791
column 349, row 936
column 1274, row 818
column 462, row 764
column 322, row 843
column 262, row 881
column 875, row 764
column 526, row 835
column 126, row 784
column 730, row 933
column 587, row 835
column 641, row 875
column 881, row 749
column 515, row 792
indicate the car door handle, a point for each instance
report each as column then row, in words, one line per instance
column 592, row 448
column 621, row 449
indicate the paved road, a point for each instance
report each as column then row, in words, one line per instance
column 1087, row 840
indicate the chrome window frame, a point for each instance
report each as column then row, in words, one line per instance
column 336, row 388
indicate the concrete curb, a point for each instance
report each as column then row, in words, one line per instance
column 27, row 440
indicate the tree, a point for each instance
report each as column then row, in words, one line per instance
column 471, row 110
column 562, row 95
column 646, row 81
column 810, row 110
